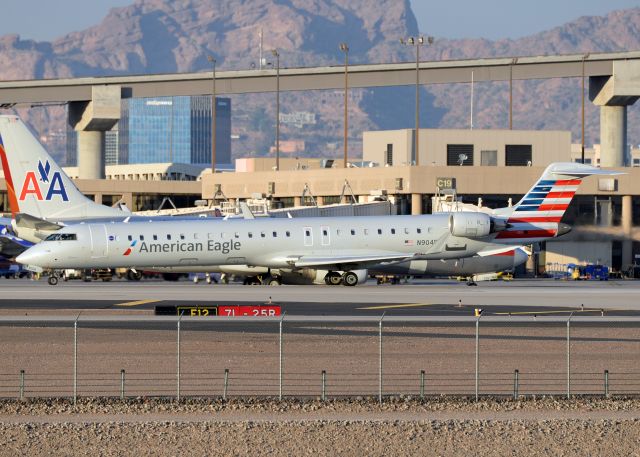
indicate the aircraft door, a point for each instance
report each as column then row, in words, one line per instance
column 325, row 235
column 99, row 246
column 308, row 236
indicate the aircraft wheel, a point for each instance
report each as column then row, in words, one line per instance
column 274, row 281
column 53, row 280
column 350, row 279
column 335, row 279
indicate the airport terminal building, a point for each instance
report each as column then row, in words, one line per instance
column 492, row 168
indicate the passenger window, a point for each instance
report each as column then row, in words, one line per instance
column 288, row 233
column 324, row 232
column 275, row 234
column 130, row 238
column 237, row 235
column 182, row 236
column 393, row 231
column 338, row 232
column 353, row 232
column 379, row 231
column 419, row 230
column 155, row 237
column 406, row 231
column 141, row 237
column 250, row 235
column 210, row 236
column 262, row 235
column 307, row 232
column 168, row 236
column 366, row 231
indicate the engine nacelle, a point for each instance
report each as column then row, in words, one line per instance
column 470, row 225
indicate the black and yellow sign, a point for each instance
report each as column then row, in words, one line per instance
column 446, row 183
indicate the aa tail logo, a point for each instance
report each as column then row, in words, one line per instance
column 47, row 187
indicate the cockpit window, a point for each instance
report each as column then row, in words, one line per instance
column 62, row 237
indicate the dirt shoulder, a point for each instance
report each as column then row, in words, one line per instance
column 402, row 427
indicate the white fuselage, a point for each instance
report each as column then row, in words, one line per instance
column 335, row 242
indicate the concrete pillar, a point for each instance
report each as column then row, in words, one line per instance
column 297, row 201
column 613, row 136
column 627, row 227
column 320, row 201
column 90, row 155
column 127, row 199
column 97, row 198
column 416, row 204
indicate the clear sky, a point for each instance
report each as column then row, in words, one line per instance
column 493, row 19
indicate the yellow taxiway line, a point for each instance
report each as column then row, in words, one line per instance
column 406, row 305
column 136, row 303
column 565, row 311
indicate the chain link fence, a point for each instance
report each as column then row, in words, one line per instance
column 324, row 357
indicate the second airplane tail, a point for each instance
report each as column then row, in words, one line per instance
column 36, row 185
column 536, row 217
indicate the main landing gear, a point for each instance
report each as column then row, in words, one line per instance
column 333, row 278
column 267, row 280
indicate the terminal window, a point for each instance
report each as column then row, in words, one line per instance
column 389, row 155
column 489, row 158
column 517, row 155
column 460, row 154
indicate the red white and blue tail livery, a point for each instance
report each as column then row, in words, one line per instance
column 537, row 216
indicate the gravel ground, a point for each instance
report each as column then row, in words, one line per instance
column 401, row 426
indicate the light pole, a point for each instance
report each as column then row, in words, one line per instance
column 213, row 115
column 417, row 42
column 277, row 56
column 345, row 48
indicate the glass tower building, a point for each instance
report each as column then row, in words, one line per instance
column 173, row 129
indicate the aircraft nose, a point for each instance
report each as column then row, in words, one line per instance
column 32, row 256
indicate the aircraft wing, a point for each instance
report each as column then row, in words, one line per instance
column 503, row 250
column 350, row 259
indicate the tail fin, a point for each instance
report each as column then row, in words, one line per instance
column 36, row 185
column 537, row 216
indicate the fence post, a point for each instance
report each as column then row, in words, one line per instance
column 75, row 359
column 477, row 356
column 324, row 385
column 516, row 384
column 380, row 360
column 421, row 384
column 569, row 356
column 122, row 384
column 606, row 383
column 21, row 384
column 178, row 361
column 226, row 384
column 281, row 361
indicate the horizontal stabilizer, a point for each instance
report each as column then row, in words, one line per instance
column 27, row 221
column 579, row 170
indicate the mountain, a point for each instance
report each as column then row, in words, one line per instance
column 159, row 36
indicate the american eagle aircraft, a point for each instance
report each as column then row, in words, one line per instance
column 341, row 245
column 43, row 199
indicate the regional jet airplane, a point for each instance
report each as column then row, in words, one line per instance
column 337, row 244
